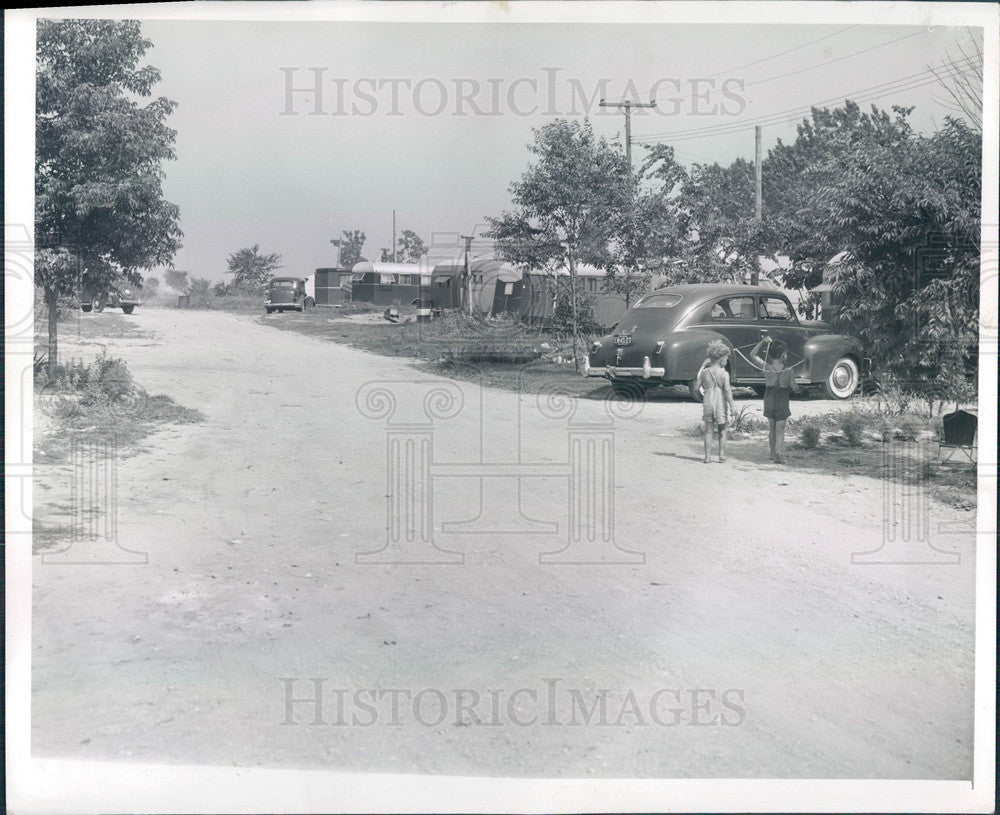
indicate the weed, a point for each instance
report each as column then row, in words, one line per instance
column 809, row 435
column 909, row 429
column 853, row 425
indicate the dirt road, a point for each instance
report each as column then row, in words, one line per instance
column 746, row 644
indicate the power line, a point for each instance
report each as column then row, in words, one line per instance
column 780, row 53
column 909, row 82
column 838, row 59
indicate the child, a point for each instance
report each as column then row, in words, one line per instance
column 713, row 380
column 779, row 381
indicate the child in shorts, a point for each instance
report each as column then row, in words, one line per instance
column 717, row 402
column 779, row 382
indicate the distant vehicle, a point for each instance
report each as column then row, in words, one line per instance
column 663, row 338
column 123, row 296
column 290, row 294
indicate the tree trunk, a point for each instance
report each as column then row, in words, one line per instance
column 52, row 303
column 572, row 294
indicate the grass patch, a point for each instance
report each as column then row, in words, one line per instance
column 864, row 441
column 496, row 352
column 100, row 401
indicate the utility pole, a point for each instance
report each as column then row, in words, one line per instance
column 758, row 171
column 627, row 105
column 466, row 277
column 394, row 236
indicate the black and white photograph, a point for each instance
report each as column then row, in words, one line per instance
column 501, row 407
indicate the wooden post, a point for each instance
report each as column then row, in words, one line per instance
column 758, row 199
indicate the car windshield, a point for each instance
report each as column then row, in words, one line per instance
column 283, row 284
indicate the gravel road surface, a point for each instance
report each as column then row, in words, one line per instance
column 728, row 628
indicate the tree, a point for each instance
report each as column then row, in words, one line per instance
column 99, row 206
column 251, row 270
column 177, row 279
column 566, row 206
column 825, row 147
column 909, row 217
column 962, row 79
column 648, row 231
column 411, row 247
column 350, row 248
column 723, row 239
column 905, row 208
column 200, row 291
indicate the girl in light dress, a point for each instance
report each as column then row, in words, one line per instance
column 717, row 402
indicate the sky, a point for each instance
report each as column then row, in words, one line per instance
column 434, row 120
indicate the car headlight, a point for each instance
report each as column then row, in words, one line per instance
column 596, row 344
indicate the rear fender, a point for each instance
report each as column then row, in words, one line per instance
column 823, row 351
column 685, row 351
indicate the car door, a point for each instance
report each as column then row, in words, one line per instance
column 778, row 318
column 735, row 318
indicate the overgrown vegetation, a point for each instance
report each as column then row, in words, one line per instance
column 102, row 400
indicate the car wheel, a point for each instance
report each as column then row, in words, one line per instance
column 268, row 310
column 128, row 309
column 97, row 304
column 760, row 390
column 694, row 391
column 843, row 379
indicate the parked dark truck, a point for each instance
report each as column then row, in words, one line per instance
column 290, row 294
column 663, row 338
column 121, row 295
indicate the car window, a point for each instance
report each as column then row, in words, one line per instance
column 659, row 301
column 283, row 284
column 733, row 308
column 775, row 308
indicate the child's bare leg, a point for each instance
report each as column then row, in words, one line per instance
column 771, row 435
column 722, row 444
column 708, row 439
column 779, row 438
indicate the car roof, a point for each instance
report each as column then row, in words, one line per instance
column 706, row 291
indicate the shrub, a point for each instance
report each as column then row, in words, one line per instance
column 113, row 380
column 852, row 425
column 809, row 435
column 106, row 379
column 909, row 429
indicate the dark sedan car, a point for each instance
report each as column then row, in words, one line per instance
column 288, row 294
column 663, row 338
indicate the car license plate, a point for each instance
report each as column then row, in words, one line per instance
column 623, row 339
